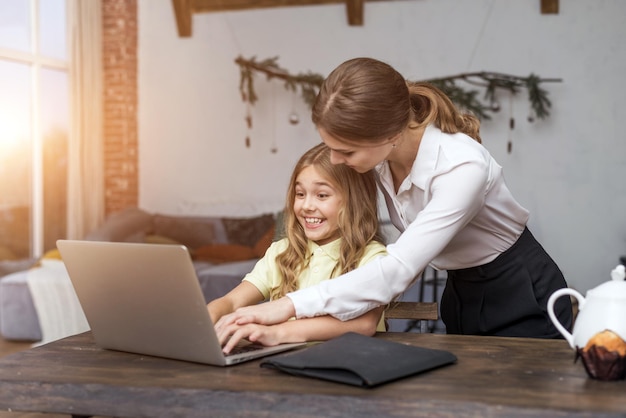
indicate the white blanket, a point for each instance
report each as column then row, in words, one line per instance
column 58, row 309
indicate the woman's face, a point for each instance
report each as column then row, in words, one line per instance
column 316, row 206
column 360, row 158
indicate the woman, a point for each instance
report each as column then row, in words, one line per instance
column 447, row 196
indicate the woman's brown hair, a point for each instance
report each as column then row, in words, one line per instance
column 367, row 100
column 358, row 219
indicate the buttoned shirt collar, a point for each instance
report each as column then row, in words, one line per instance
column 330, row 250
column 423, row 166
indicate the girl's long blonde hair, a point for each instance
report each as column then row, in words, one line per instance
column 357, row 219
column 367, row 100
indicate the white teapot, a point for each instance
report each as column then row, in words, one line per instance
column 604, row 308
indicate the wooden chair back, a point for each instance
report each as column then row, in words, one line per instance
column 416, row 311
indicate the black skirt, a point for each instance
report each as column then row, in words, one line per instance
column 508, row 296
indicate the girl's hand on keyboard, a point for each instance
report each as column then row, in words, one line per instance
column 230, row 336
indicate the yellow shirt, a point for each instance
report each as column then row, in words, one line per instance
column 265, row 276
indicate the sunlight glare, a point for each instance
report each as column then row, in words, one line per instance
column 13, row 129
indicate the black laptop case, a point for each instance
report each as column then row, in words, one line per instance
column 359, row 360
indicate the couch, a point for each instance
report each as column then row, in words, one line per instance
column 223, row 250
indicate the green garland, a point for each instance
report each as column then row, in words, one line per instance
column 309, row 84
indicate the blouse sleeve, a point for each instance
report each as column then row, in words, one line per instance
column 456, row 197
column 264, row 276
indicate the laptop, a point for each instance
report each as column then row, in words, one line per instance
column 146, row 299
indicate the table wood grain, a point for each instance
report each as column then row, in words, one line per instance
column 494, row 376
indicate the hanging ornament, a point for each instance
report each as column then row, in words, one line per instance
column 274, row 147
column 531, row 115
column 294, row 119
column 509, row 145
column 495, row 106
column 248, row 124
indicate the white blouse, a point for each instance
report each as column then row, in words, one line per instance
column 455, row 211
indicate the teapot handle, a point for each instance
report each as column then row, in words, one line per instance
column 562, row 292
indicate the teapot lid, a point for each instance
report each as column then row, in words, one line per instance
column 615, row 288
column 618, row 273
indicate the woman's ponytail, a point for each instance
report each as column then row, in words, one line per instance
column 431, row 105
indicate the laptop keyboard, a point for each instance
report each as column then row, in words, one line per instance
column 245, row 348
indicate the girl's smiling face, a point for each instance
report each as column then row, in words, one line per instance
column 316, row 206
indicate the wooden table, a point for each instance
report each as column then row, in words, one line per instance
column 494, row 376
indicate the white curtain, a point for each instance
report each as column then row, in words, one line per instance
column 85, row 208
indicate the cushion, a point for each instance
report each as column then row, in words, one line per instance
column 264, row 243
column 191, row 232
column 121, row 225
column 12, row 266
column 223, row 253
column 138, row 237
column 279, row 230
column 247, row 231
column 158, row 239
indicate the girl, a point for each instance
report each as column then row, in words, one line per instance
column 332, row 227
column 447, row 196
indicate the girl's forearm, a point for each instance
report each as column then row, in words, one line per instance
column 243, row 295
column 323, row 328
column 218, row 308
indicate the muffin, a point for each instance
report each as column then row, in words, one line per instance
column 604, row 356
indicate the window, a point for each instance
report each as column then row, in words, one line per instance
column 34, row 126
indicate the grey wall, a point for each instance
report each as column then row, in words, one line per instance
column 567, row 170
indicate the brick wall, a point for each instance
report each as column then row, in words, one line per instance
column 119, row 38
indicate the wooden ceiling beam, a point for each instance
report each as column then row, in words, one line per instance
column 549, row 7
column 354, row 8
column 222, row 5
column 183, row 12
column 184, row 9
